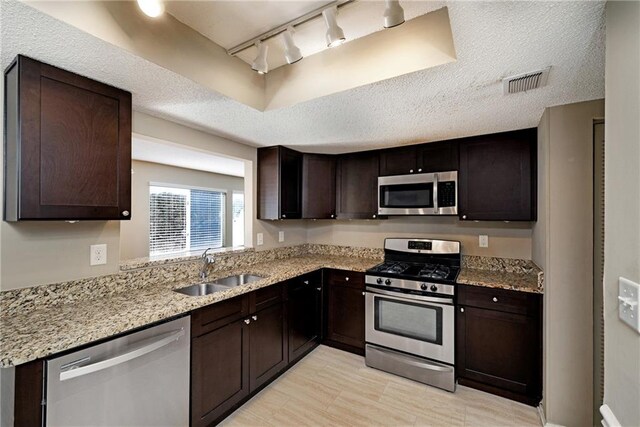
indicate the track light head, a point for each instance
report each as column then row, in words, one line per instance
column 291, row 51
column 151, row 8
column 393, row 14
column 335, row 35
column 260, row 63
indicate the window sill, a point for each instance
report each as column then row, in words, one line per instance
column 159, row 260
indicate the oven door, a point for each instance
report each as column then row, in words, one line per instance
column 407, row 195
column 415, row 324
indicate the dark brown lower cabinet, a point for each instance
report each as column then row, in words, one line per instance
column 304, row 295
column 219, row 372
column 345, row 310
column 499, row 342
column 268, row 353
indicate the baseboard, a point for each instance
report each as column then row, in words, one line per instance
column 543, row 418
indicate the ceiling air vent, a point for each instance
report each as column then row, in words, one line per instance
column 525, row 82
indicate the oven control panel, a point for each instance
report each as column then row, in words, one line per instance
column 411, row 285
column 422, row 246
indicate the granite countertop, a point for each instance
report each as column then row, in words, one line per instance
column 49, row 330
column 524, row 282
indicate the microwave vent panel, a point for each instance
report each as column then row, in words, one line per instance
column 525, row 82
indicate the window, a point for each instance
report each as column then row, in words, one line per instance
column 185, row 219
column 237, row 231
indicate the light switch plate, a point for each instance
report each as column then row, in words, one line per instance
column 281, row 236
column 629, row 302
column 98, row 254
column 260, row 239
column 483, row 241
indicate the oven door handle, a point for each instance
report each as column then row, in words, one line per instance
column 412, row 360
column 402, row 296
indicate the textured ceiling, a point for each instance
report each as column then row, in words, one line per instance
column 493, row 40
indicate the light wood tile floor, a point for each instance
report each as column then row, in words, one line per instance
column 330, row 387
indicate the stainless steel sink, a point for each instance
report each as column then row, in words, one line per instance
column 218, row 285
column 202, row 289
column 237, row 280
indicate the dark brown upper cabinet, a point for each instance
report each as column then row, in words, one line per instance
column 279, row 183
column 357, row 185
column 318, row 186
column 67, row 146
column 432, row 157
column 497, row 177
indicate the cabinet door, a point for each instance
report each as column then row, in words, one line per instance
column 345, row 309
column 499, row 350
column 438, row 156
column 398, row 161
column 219, row 372
column 68, row 145
column 290, row 184
column 357, row 185
column 304, row 306
column 268, row 345
column 279, row 183
column 497, row 177
column 318, row 186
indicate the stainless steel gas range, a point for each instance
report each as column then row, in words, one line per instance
column 409, row 324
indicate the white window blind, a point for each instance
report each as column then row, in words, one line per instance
column 237, row 206
column 184, row 219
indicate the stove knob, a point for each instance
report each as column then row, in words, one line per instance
column 379, row 281
column 423, row 286
column 387, row 282
column 434, row 288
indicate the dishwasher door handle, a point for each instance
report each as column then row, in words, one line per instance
column 141, row 350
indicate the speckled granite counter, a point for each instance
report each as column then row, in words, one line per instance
column 50, row 329
column 503, row 273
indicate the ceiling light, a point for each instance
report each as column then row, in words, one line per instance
column 335, row 35
column 393, row 14
column 152, row 8
column 291, row 51
column 260, row 63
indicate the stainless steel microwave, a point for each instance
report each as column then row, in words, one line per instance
column 418, row 194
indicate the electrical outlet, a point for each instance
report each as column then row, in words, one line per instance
column 98, row 254
column 483, row 241
column 260, row 239
column 629, row 303
column 281, row 236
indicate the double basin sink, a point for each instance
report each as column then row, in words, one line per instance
column 218, row 285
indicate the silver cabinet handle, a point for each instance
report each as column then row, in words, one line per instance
column 346, row 279
column 495, row 299
column 364, row 293
column 318, row 289
column 419, row 169
column 125, row 213
column 410, row 170
column 306, row 282
column 461, row 309
column 144, row 348
column 284, row 216
column 247, row 321
column 332, row 215
column 464, row 217
column 254, row 317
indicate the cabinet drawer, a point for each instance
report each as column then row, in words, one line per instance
column 346, row 278
column 498, row 299
column 265, row 297
column 216, row 315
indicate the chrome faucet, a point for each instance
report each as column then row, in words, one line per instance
column 207, row 260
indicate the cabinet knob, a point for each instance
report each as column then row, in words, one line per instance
column 464, row 217
column 363, row 294
column 254, row 317
column 419, row 169
column 318, row 289
column 333, row 216
column 247, row 321
column 306, row 282
column 461, row 309
column 346, row 279
column 410, row 170
column 495, row 299
column 374, row 215
column 284, row 216
column 125, row 213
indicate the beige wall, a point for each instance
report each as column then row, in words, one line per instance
column 563, row 246
column 622, row 205
column 134, row 234
column 512, row 240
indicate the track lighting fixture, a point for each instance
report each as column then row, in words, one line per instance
column 335, row 35
column 151, row 8
column 260, row 63
column 291, row 51
column 393, row 14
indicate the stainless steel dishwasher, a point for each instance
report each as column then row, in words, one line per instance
column 140, row 379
